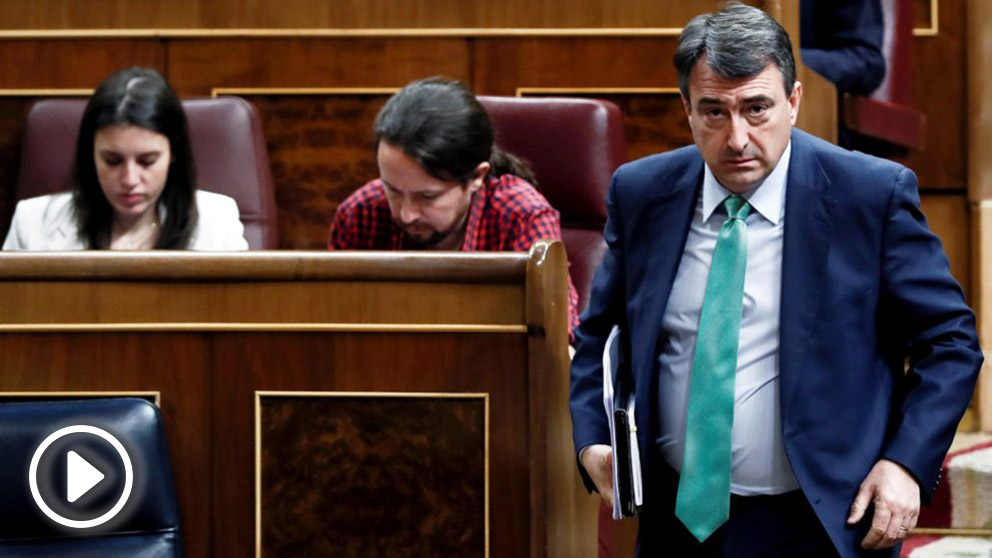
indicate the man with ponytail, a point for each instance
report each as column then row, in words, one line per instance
column 443, row 184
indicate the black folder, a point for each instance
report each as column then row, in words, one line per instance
column 625, row 453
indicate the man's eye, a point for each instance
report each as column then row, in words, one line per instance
column 429, row 196
column 757, row 110
column 713, row 113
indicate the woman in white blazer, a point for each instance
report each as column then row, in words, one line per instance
column 135, row 181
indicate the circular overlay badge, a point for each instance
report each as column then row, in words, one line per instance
column 83, row 429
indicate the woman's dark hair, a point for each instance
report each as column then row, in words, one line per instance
column 136, row 97
column 443, row 127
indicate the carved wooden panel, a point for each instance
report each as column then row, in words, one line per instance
column 321, row 150
column 374, row 362
column 373, row 475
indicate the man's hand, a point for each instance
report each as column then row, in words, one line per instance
column 598, row 462
column 897, row 504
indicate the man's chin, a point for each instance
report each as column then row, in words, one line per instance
column 740, row 182
column 423, row 241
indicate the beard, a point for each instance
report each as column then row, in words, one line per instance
column 422, row 241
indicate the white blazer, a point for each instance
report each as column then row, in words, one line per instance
column 47, row 223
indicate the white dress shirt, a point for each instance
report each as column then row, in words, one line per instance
column 758, row 464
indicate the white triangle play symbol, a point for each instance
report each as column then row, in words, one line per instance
column 80, row 476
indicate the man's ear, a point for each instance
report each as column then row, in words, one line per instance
column 687, row 105
column 479, row 176
column 794, row 99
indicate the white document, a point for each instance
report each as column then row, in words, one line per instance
column 609, row 377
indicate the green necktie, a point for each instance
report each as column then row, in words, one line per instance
column 703, row 502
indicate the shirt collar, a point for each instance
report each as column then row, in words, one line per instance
column 767, row 198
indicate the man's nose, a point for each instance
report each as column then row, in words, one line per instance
column 739, row 134
column 408, row 212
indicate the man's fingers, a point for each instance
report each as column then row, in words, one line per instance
column 860, row 504
column 598, row 461
column 879, row 527
column 607, row 475
column 896, row 531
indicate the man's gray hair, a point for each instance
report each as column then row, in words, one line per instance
column 738, row 42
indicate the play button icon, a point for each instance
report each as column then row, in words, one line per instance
column 86, row 484
column 80, row 476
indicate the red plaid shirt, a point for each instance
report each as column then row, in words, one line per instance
column 506, row 215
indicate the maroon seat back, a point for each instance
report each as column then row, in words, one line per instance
column 228, row 148
column 573, row 145
column 887, row 115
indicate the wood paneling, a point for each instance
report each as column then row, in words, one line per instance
column 132, row 362
column 373, row 474
column 982, row 300
column 949, row 219
column 503, row 65
column 347, row 14
column 73, row 64
column 922, row 13
column 938, row 90
column 321, row 149
column 217, row 371
column 198, row 65
column 375, row 363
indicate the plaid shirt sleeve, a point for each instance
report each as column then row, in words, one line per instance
column 343, row 234
column 362, row 221
column 546, row 225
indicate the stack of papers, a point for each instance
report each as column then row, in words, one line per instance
column 618, row 399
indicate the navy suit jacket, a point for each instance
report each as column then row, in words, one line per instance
column 866, row 288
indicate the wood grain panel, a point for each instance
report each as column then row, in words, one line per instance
column 923, row 12
column 373, row 362
column 73, row 64
column 321, row 149
column 938, row 89
column 132, row 362
column 198, row 65
column 949, row 219
column 145, row 14
column 373, row 474
column 503, row 65
column 281, row 303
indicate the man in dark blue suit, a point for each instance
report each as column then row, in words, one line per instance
column 852, row 355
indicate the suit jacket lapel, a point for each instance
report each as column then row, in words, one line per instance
column 808, row 210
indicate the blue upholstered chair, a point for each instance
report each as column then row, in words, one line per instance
column 147, row 524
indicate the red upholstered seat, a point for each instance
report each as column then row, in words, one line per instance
column 573, row 145
column 228, row 147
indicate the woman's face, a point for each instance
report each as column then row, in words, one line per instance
column 132, row 165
